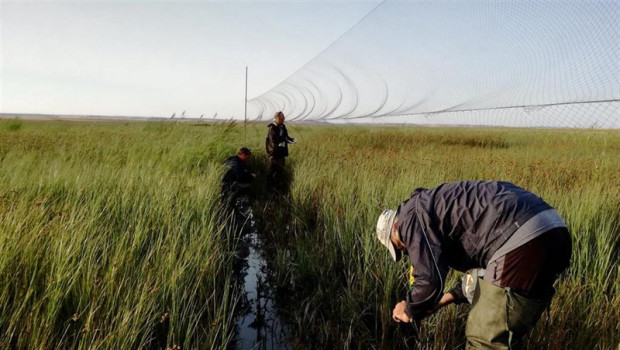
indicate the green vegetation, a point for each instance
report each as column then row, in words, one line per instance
column 110, row 233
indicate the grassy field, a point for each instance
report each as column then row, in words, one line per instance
column 110, row 232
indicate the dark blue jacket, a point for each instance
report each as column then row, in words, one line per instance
column 237, row 172
column 458, row 225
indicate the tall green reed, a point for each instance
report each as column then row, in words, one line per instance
column 111, row 237
column 110, row 232
column 344, row 177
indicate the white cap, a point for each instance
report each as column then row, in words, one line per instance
column 384, row 230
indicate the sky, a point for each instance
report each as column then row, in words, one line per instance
column 145, row 58
column 342, row 61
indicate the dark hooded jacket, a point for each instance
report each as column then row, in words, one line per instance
column 237, row 172
column 458, row 225
column 276, row 143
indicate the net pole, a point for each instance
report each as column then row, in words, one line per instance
column 245, row 117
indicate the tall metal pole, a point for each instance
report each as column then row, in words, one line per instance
column 245, row 118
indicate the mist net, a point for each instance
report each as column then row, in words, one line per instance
column 517, row 63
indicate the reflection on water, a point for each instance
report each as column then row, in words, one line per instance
column 258, row 324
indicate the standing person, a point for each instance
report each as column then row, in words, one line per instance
column 276, row 144
column 237, row 179
column 520, row 241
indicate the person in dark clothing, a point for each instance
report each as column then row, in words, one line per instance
column 513, row 244
column 276, row 144
column 237, row 179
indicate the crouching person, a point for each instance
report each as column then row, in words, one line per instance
column 237, row 179
column 519, row 241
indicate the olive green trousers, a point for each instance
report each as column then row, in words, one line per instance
column 499, row 318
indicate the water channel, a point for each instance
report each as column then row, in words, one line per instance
column 258, row 324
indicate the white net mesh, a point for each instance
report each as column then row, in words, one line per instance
column 515, row 63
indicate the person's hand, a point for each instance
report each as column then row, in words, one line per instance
column 399, row 314
column 293, row 140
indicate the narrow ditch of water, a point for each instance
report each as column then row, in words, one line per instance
column 258, row 324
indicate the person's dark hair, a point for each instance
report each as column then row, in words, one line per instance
column 244, row 150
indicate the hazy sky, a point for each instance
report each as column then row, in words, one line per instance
column 145, row 58
column 315, row 60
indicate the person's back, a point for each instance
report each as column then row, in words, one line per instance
column 237, row 171
column 237, row 178
column 474, row 217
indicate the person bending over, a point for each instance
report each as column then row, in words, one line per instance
column 519, row 243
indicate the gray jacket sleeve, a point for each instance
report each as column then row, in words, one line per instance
column 430, row 266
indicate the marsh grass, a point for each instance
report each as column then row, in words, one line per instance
column 344, row 177
column 111, row 233
column 104, row 229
